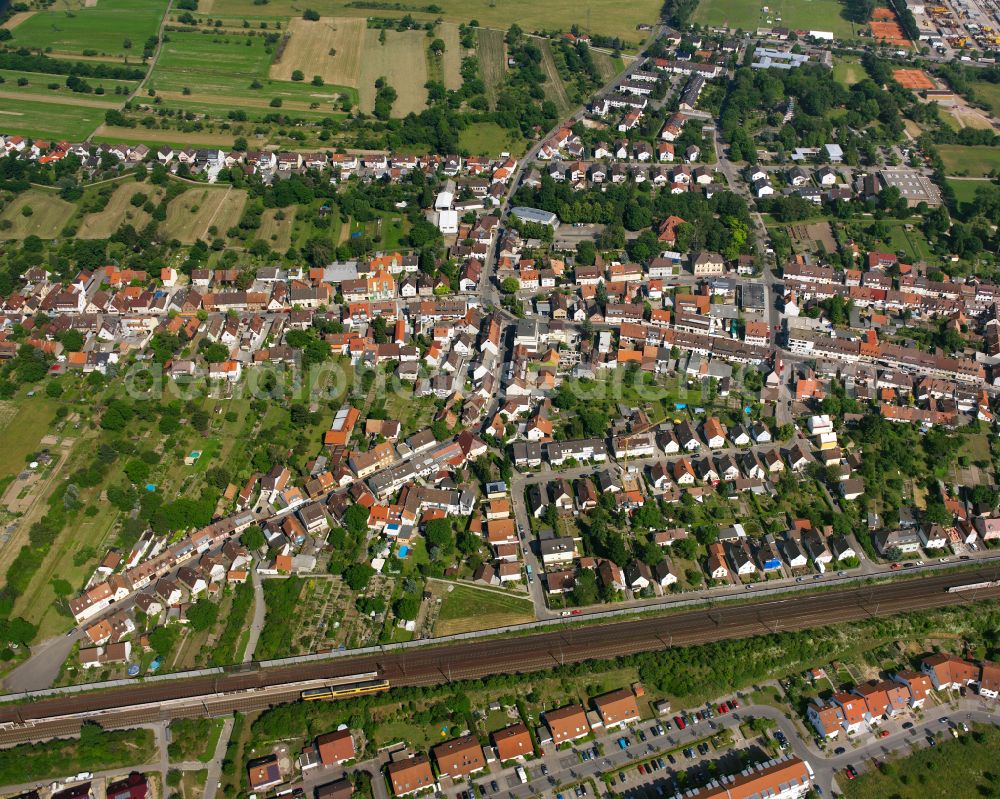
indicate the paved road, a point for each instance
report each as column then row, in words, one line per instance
column 215, row 765
column 257, row 624
column 41, row 669
column 566, row 767
column 489, row 291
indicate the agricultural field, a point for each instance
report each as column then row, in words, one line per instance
column 402, row 62
column 554, row 89
column 116, row 28
column 16, row 19
column 276, row 232
column 103, row 224
column 452, row 58
column 40, row 86
column 218, row 72
column 65, row 119
column 35, row 213
column 196, row 212
column 157, row 138
column 608, row 17
column 467, row 608
column 310, row 45
column 972, row 162
column 795, row 14
column 492, row 53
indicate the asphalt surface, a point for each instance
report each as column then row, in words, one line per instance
column 431, row 665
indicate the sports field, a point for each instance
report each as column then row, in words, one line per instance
column 402, row 62
column 46, row 216
column 111, row 27
column 824, row 15
column 609, row 17
column 118, row 211
column 193, row 214
column 974, row 162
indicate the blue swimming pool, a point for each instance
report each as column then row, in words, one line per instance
column 404, row 550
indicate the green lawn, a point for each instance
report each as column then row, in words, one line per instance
column 988, row 93
column 388, row 230
column 969, row 161
column 23, row 423
column 911, row 242
column 965, row 190
column 109, row 27
column 847, row 71
column 468, row 608
column 488, row 138
column 35, row 118
column 796, row 14
column 962, row 768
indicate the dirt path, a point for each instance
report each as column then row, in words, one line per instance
column 156, row 53
column 17, row 19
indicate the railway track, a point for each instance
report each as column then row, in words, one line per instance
column 432, row 665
